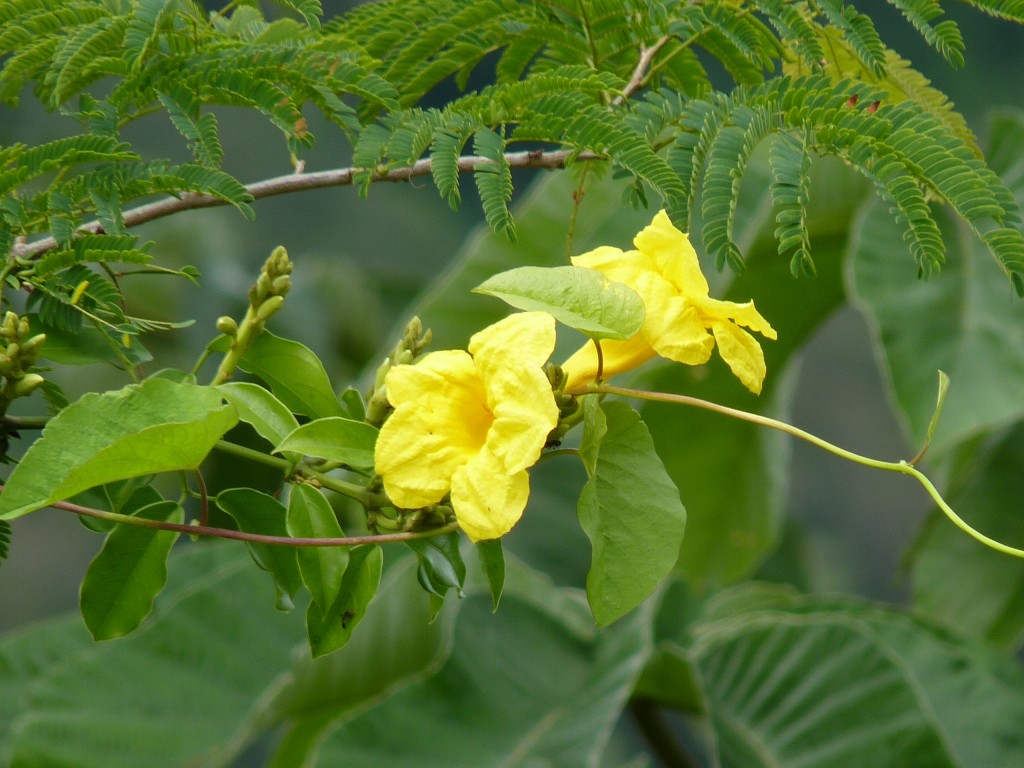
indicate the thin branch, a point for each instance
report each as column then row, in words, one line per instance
column 640, row 73
column 299, row 182
column 257, row 538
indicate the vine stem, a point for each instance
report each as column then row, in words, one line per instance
column 256, row 538
column 902, row 466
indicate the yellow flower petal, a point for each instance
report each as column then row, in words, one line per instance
column 440, row 422
column 522, row 339
column 673, row 326
column 673, row 254
column 488, row 502
column 613, row 263
column 742, row 353
column 524, row 413
column 741, row 314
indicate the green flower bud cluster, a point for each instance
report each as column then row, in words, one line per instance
column 266, row 297
column 20, row 352
column 414, row 340
column 569, row 411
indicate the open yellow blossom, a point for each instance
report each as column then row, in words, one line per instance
column 470, row 424
column 665, row 271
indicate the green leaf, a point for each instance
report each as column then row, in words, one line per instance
column 330, row 629
column 257, row 406
column 962, row 322
column 294, row 374
column 882, row 683
column 335, row 439
column 492, row 561
column 397, row 645
column 143, row 429
column 128, row 573
column 635, row 537
column 256, row 512
column 322, row 568
column 982, row 594
column 577, row 297
column 441, row 565
column 595, row 427
column 67, row 701
column 531, row 691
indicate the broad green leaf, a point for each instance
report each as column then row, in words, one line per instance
column 257, row 406
column 492, row 562
column 256, row 512
column 964, row 322
column 335, row 439
column 580, row 298
column 823, row 683
column 530, row 691
column 983, row 594
column 332, row 628
column 128, row 573
column 310, row 515
column 634, row 537
column 397, row 645
column 143, row 429
column 27, row 656
column 181, row 691
column 294, row 373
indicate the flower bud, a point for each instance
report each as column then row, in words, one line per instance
column 33, row 344
column 280, row 285
column 27, row 384
column 269, row 307
column 263, row 285
column 227, row 326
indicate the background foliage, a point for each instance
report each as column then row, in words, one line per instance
column 536, row 680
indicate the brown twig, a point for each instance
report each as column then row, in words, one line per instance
column 299, row 182
column 640, row 72
column 256, row 538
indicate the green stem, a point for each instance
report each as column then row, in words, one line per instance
column 902, row 466
column 15, row 423
column 258, row 538
column 352, row 490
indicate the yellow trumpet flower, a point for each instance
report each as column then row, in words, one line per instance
column 683, row 323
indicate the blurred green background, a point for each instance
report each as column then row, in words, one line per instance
column 360, row 263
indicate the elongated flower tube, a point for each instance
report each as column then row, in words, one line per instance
column 683, row 323
column 470, row 424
